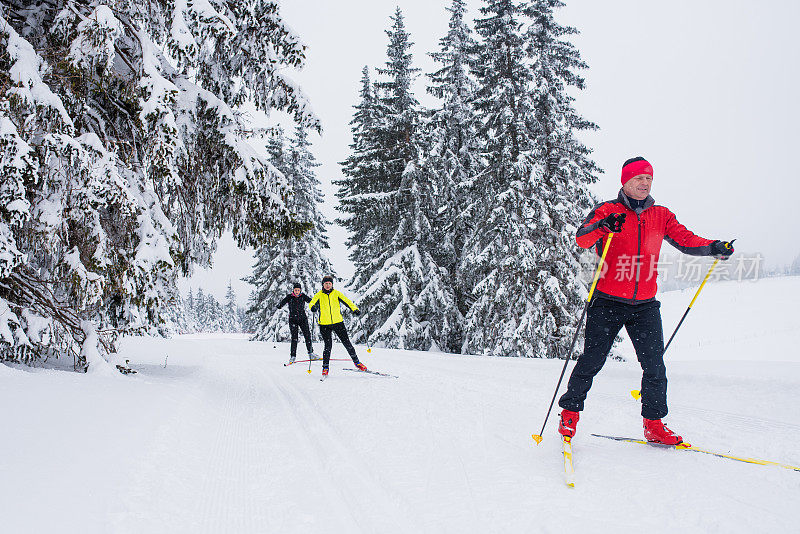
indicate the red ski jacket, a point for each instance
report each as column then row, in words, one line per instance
column 631, row 265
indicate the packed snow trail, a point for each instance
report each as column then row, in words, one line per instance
column 227, row 439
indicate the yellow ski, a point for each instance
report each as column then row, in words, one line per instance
column 689, row 447
column 569, row 471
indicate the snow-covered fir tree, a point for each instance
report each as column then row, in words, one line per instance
column 561, row 193
column 213, row 318
column 246, row 320
column 231, row 311
column 454, row 153
column 206, row 312
column 124, row 157
column 199, row 310
column 304, row 260
column 454, row 158
column 497, row 259
column 361, row 191
column 387, row 198
column 187, row 322
column 190, row 300
column 178, row 316
column 521, row 259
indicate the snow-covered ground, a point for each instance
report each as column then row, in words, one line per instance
column 227, row 439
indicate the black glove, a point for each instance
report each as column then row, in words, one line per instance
column 357, row 312
column 614, row 222
column 722, row 249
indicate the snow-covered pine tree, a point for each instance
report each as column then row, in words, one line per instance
column 201, row 310
column 498, row 259
column 561, row 196
column 124, row 157
column 455, row 153
column 231, row 320
column 388, row 280
column 454, row 158
column 301, row 260
column 311, row 260
column 387, row 198
column 521, row 252
column 176, row 318
column 360, row 192
column 214, row 316
column 245, row 320
column 190, row 301
column 271, row 262
column 189, row 324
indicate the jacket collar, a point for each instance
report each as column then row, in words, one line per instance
column 623, row 199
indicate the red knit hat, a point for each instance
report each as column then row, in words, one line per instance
column 635, row 167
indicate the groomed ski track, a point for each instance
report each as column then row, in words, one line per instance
column 227, row 439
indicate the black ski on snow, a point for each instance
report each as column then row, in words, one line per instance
column 371, row 372
column 689, row 447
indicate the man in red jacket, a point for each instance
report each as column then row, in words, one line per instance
column 625, row 294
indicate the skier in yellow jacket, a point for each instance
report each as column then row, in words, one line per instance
column 327, row 302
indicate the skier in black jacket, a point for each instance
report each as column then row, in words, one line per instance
column 297, row 319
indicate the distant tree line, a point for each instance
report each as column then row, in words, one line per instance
column 201, row 312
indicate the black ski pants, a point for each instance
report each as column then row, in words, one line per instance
column 327, row 331
column 604, row 320
column 293, row 328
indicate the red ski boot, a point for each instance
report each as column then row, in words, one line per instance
column 568, row 423
column 657, row 432
column 361, row 367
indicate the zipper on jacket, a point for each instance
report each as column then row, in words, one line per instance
column 330, row 309
column 638, row 255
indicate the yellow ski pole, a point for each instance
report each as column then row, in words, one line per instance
column 637, row 394
column 538, row 437
column 366, row 336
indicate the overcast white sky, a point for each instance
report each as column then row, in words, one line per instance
column 707, row 91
